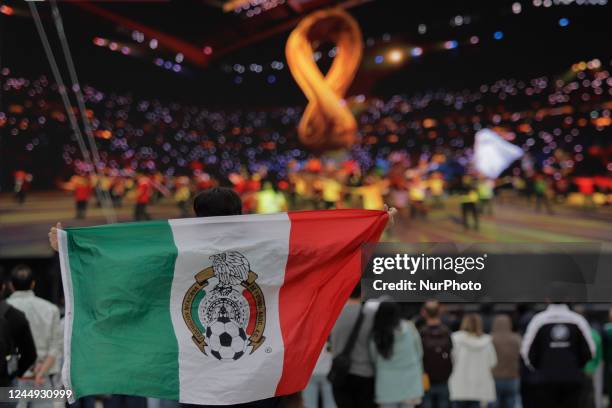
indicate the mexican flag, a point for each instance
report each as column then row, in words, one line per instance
column 213, row 311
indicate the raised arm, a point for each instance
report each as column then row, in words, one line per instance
column 53, row 236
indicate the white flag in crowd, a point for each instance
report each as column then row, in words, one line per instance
column 493, row 154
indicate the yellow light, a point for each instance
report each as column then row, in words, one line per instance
column 396, row 56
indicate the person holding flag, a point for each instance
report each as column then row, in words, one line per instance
column 217, row 310
column 486, row 192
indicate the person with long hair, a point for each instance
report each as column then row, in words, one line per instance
column 397, row 354
column 471, row 382
column 506, row 373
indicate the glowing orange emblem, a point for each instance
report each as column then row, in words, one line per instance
column 327, row 123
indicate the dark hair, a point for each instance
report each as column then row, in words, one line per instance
column 431, row 309
column 217, row 201
column 22, row 277
column 386, row 320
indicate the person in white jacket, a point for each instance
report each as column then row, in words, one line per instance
column 471, row 382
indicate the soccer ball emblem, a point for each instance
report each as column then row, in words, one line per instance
column 227, row 341
column 225, row 309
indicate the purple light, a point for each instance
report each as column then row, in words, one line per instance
column 416, row 52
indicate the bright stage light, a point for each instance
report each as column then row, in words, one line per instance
column 593, row 64
column 422, row 28
column 179, row 57
column 6, row 10
column 474, row 39
column 100, row 42
column 449, row 45
column 277, row 65
column 207, row 50
column 396, row 56
column 138, row 36
column 517, row 8
column 113, row 46
column 563, row 22
column 498, row 35
column 379, row 59
column 416, row 52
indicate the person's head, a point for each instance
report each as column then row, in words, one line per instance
column 386, row 320
column 431, row 311
column 472, row 324
column 501, row 324
column 217, row 201
column 22, row 278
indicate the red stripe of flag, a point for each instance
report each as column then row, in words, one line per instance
column 323, row 267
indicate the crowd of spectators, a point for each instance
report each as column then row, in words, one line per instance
column 560, row 122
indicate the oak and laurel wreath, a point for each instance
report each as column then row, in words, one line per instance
column 256, row 339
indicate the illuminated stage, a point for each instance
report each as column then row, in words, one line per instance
column 24, row 228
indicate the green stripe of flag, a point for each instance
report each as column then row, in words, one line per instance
column 121, row 315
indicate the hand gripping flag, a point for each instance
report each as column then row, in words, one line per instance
column 215, row 311
column 493, row 154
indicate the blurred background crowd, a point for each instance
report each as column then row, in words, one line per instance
column 413, row 147
column 159, row 101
